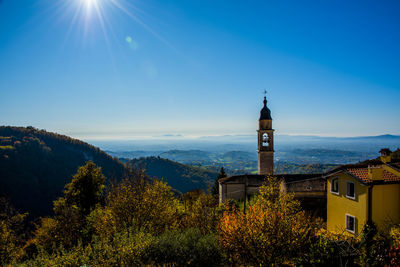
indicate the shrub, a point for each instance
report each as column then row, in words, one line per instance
column 185, row 248
column 374, row 246
column 323, row 250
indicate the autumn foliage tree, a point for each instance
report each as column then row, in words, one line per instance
column 273, row 231
column 143, row 204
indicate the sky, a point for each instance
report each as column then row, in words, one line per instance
column 126, row 69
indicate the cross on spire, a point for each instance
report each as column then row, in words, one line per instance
column 265, row 93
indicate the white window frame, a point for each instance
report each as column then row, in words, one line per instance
column 354, row 224
column 348, row 196
column 333, row 192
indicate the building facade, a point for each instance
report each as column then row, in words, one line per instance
column 361, row 193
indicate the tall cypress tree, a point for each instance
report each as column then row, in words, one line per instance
column 221, row 174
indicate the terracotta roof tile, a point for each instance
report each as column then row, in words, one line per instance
column 390, row 177
column 360, row 173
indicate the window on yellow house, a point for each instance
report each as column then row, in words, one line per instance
column 350, row 190
column 350, row 223
column 335, row 186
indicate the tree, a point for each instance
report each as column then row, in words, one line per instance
column 147, row 205
column 81, row 196
column 215, row 189
column 84, row 191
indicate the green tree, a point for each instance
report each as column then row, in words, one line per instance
column 215, row 188
column 84, row 191
column 68, row 227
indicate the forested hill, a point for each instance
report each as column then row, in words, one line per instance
column 181, row 177
column 36, row 164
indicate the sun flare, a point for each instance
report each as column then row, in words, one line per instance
column 89, row 3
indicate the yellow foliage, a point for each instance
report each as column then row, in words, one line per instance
column 202, row 213
column 10, row 241
column 151, row 206
column 272, row 230
column 395, row 235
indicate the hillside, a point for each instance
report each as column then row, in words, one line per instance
column 36, row 164
column 181, row 177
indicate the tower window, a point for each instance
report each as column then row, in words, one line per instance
column 350, row 223
column 265, row 140
column 350, row 190
column 335, row 186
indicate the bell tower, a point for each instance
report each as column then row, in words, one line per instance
column 265, row 142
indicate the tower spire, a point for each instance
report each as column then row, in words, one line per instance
column 265, row 98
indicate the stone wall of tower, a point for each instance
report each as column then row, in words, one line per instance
column 266, row 162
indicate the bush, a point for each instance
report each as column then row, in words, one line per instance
column 185, row 248
column 127, row 248
column 323, row 251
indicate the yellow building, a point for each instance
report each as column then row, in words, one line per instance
column 363, row 192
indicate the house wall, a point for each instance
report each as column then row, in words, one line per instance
column 338, row 205
column 235, row 191
column 385, row 205
column 307, row 186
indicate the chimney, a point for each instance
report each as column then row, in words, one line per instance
column 375, row 172
column 385, row 155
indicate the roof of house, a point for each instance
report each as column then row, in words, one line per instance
column 395, row 165
column 230, row 178
column 360, row 172
column 289, row 178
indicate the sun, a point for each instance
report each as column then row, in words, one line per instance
column 89, row 3
column 88, row 16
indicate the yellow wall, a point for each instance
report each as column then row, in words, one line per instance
column 339, row 205
column 385, row 205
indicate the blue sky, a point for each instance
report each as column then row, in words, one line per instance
column 151, row 68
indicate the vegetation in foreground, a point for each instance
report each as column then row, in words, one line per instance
column 139, row 222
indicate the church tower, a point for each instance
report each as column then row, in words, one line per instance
column 265, row 142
